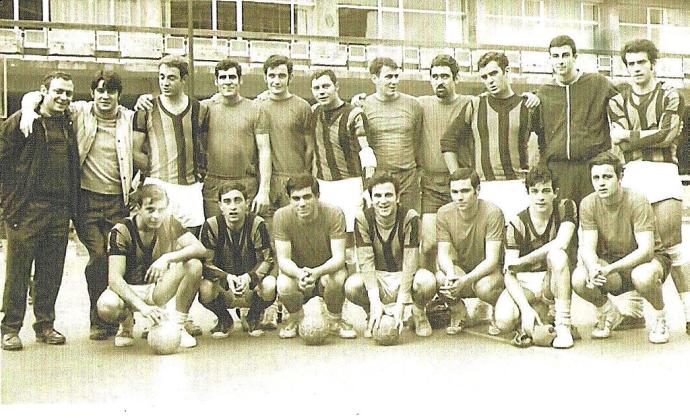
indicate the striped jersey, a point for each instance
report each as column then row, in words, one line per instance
column 336, row 148
column 383, row 250
column 499, row 131
column 245, row 251
column 522, row 235
column 659, row 111
column 174, row 143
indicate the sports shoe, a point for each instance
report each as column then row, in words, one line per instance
column 222, row 329
column 50, row 336
column 124, row 337
column 289, row 330
column 253, row 327
column 342, row 329
column 493, row 329
column 564, row 338
column 605, row 323
column 458, row 315
column 186, row 339
column 11, row 342
column 659, row 333
column 270, row 319
column 192, row 329
column 422, row 326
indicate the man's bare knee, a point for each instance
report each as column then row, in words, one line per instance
column 111, row 308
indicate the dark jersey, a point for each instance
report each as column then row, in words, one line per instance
column 384, row 250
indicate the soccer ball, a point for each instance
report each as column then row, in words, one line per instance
column 164, row 338
column 313, row 329
column 387, row 331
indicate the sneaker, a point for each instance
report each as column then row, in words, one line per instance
column 630, row 322
column 659, row 333
column 605, row 323
column 186, row 339
column 458, row 315
column 289, row 330
column 222, row 329
column 124, row 336
column 192, row 329
column 270, row 319
column 422, row 326
column 50, row 336
column 493, row 329
column 11, row 342
column 253, row 327
column 342, row 329
column 564, row 338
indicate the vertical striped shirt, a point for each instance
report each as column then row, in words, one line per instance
column 383, row 250
column 174, row 142
column 335, row 141
column 499, row 130
column 659, row 111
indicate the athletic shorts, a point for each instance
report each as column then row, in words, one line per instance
column 186, row 202
column 345, row 194
column 409, row 188
column 435, row 191
column 533, row 281
column 626, row 280
column 657, row 181
column 277, row 195
column 212, row 185
column 144, row 291
column 572, row 179
column 509, row 195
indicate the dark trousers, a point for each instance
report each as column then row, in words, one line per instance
column 40, row 236
column 572, row 179
column 98, row 213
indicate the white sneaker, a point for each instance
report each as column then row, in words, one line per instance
column 422, row 327
column 605, row 323
column 493, row 329
column 564, row 338
column 124, row 336
column 659, row 333
column 289, row 330
column 458, row 315
column 342, row 329
column 186, row 340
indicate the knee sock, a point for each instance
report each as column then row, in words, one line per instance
column 562, row 315
column 257, row 307
column 685, row 297
column 219, row 308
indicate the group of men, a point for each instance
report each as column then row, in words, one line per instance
column 244, row 202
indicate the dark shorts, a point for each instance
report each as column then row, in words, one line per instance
column 278, row 196
column 626, row 280
column 572, row 179
column 210, row 192
column 435, row 191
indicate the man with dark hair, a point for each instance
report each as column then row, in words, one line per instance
column 394, row 128
column 39, row 186
column 105, row 140
column 496, row 127
column 238, row 262
column 620, row 249
column 151, row 259
column 646, row 124
column 389, row 277
column 572, row 125
column 539, row 252
column 470, row 234
column 310, row 247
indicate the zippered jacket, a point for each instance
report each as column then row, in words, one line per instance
column 572, row 124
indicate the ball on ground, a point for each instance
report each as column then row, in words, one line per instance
column 313, row 329
column 164, row 338
column 387, row 331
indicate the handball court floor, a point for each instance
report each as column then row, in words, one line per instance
column 467, row 372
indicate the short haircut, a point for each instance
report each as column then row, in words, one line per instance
column 382, row 177
column 111, row 81
column 607, row 158
column 227, row 64
column 464, row 174
column 300, row 182
column 276, row 60
column 563, row 40
column 379, row 62
column 539, row 174
column 445, row 60
column 152, row 192
column 499, row 57
column 52, row 76
column 641, row 45
column 226, row 188
column 175, row 61
column 320, row 73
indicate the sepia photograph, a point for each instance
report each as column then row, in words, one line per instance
column 344, row 208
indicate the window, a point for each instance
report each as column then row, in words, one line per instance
column 532, row 8
column 201, row 18
column 226, row 12
column 266, row 17
column 6, row 9
column 30, row 9
column 358, row 22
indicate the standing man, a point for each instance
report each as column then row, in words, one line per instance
column 496, row 127
column 105, row 139
column 470, row 233
column 310, row 247
column 39, row 179
column 439, row 110
column 395, row 128
column 646, row 124
column 620, row 250
column 572, row 125
column 175, row 130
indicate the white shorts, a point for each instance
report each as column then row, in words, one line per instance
column 657, row 181
column 532, row 281
column 509, row 195
column 345, row 194
column 144, row 291
column 186, row 201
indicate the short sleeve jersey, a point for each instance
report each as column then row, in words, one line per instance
column 383, row 250
column 231, row 144
column 289, row 121
column 124, row 239
column 438, row 116
column 617, row 223
column 521, row 234
column 468, row 234
column 310, row 240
